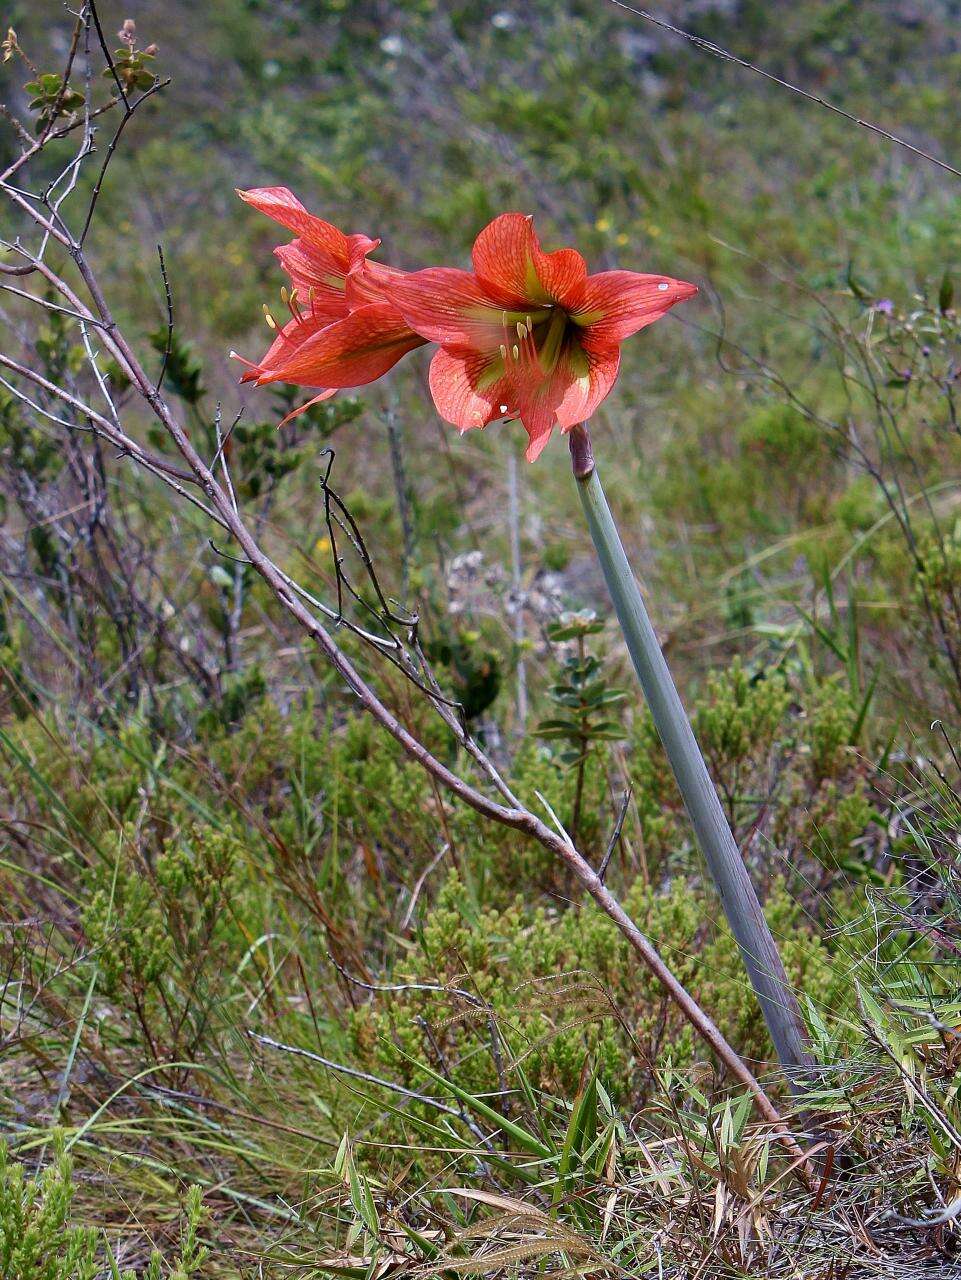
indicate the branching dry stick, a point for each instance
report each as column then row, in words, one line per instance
column 218, row 505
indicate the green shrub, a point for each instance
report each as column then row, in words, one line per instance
column 562, row 986
column 40, row 1241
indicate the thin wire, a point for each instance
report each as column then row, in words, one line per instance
column 708, row 46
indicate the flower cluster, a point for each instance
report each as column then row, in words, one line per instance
column 525, row 334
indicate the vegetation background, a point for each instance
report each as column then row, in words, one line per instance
column 246, row 947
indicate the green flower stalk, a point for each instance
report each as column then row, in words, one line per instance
column 714, row 836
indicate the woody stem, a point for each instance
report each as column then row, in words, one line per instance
column 738, row 897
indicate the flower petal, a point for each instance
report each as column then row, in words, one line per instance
column 470, row 389
column 302, row 408
column 348, row 353
column 614, row 304
column 516, row 272
column 593, row 375
column 319, row 285
column 283, row 206
column 370, row 282
column 449, row 306
column 537, row 415
column 569, row 394
column 285, row 345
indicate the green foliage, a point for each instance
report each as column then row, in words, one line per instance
column 581, row 693
column 132, row 67
column 52, row 99
column 936, row 589
column 740, row 715
column 199, row 842
column 161, row 928
column 37, row 1241
column 16, row 695
column 472, row 669
column 181, row 367
column 274, row 840
column 241, row 693
column 40, row 1241
column 781, row 754
column 25, row 445
column 559, row 986
column 585, row 699
column 193, row 1253
column 829, row 728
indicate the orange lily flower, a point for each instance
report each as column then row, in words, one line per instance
column 527, row 334
column 343, row 331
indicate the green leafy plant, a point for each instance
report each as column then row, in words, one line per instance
column 40, row 1241
column 52, row 99
column 131, row 66
column 584, row 698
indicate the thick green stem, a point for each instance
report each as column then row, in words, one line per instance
column 740, row 902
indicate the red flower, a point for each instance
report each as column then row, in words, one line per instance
column 527, row 334
column 343, row 330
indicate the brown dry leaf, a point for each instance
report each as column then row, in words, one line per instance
column 720, row 1199
column 608, row 1215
